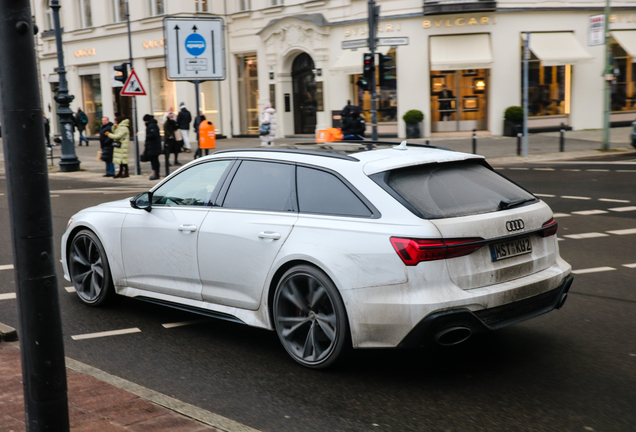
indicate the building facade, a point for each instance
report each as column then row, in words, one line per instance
column 459, row 62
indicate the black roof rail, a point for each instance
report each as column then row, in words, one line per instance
column 296, row 151
column 383, row 143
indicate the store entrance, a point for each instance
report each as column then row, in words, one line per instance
column 459, row 100
column 305, row 95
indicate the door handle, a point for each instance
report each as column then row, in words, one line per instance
column 187, row 229
column 269, row 235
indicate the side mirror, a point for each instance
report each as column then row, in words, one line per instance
column 143, row 201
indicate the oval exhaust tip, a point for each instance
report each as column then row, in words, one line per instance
column 453, row 336
column 564, row 297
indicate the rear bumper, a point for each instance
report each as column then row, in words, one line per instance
column 487, row 319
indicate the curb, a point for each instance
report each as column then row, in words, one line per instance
column 7, row 333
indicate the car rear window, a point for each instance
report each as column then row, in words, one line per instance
column 456, row 189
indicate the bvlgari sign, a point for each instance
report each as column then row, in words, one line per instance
column 453, row 6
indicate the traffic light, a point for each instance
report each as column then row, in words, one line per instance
column 368, row 67
column 384, row 69
column 121, row 72
column 363, row 83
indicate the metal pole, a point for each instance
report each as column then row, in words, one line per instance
column 526, row 58
column 196, row 90
column 607, row 76
column 562, row 138
column 474, row 141
column 68, row 161
column 42, row 348
column 519, row 135
column 373, row 25
column 134, row 99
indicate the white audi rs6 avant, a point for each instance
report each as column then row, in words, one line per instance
column 385, row 248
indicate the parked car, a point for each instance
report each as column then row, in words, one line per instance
column 392, row 247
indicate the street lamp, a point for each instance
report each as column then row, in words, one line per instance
column 68, row 161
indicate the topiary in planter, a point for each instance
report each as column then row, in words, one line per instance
column 413, row 116
column 513, row 119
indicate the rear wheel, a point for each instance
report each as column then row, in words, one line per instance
column 310, row 317
column 89, row 269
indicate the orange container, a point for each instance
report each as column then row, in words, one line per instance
column 329, row 135
column 207, row 135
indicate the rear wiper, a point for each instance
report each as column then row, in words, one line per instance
column 505, row 205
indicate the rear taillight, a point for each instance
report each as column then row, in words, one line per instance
column 549, row 228
column 414, row 251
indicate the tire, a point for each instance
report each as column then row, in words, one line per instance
column 89, row 269
column 310, row 317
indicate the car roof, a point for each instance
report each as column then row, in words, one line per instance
column 373, row 160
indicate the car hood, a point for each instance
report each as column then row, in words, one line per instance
column 119, row 204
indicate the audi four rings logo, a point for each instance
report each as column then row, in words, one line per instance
column 515, row 225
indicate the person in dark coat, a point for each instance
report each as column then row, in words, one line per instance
column 152, row 147
column 47, row 132
column 106, row 145
column 184, row 118
column 197, row 122
column 353, row 126
column 446, row 99
column 81, row 120
column 169, row 134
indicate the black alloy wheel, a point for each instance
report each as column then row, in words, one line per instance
column 310, row 317
column 89, row 269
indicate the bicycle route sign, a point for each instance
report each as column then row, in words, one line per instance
column 194, row 49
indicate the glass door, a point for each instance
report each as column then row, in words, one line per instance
column 459, row 100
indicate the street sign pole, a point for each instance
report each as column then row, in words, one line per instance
column 526, row 58
column 134, row 98
column 42, row 348
column 607, row 78
column 196, row 91
column 373, row 25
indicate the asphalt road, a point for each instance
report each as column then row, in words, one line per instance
column 570, row 370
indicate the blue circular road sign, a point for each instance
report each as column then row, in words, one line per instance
column 195, row 44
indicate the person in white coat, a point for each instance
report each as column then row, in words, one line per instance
column 267, row 129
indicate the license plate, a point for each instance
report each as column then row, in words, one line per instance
column 510, row 248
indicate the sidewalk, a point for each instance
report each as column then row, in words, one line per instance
column 103, row 403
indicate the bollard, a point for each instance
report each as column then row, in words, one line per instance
column 428, row 142
column 519, row 135
column 562, row 138
column 474, row 141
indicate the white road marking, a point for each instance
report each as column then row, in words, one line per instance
column 106, row 333
column 70, row 289
column 55, row 196
column 7, row 296
column 597, row 170
column 573, row 170
column 589, row 212
column 575, row 197
column 623, row 209
column 183, row 323
column 586, row 235
column 544, row 169
column 520, row 169
column 593, row 270
column 625, row 170
column 623, row 232
column 561, row 215
column 545, row 195
column 629, row 265
column 613, row 200
column 6, row 267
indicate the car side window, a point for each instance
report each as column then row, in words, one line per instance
column 320, row 192
column 192, row 187
column 267, row 186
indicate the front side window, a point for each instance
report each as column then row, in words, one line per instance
column 195, row 186
column 320, row 192
column 85, row 15
column 156, row 7
column 267, row 186
column 457, row 189
column 119, row 10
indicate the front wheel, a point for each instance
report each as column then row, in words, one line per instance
column 89, row 269
column 310, row 317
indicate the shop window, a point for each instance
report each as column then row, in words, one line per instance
column 156, row 7
column 84, row 13
column 210, row 101
column 247, row 68
column 162, row 93
column 202, row 5
column 548, row 88
column 119, row 10
column 92, row 96
column 386, row 89
column 622, row 88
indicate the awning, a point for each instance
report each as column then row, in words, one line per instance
column 455, row 52
column 350, row 61
column 557, row 49
column 627, row 40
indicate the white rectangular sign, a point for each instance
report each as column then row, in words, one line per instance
column 195, row 49
column 596, row 30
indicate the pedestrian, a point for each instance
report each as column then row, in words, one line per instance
column 106, row 145
column 353, row 126
column 81, row 120
column 267, row 129
column 121, row 142
column 152, row 147
column 171, row 145
column 183, row 122
column 164, row 117
column 47, row 132
column 197, row 122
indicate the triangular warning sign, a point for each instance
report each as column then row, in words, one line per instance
column 133, row 86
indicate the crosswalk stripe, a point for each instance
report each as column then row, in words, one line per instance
column 589, row 212
column 586, row 235
column 598, row 170
column 623, row 209
column 561, row 215
column 545, row 195
column 106, row 333
column 593, row 270
column 623, row 232
column 7, row 296
column 575, row 197
column 613, row 200
column 6, row 267
column 572, row 169
column 629, row 265
column 544, row 169
column 70, row 289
